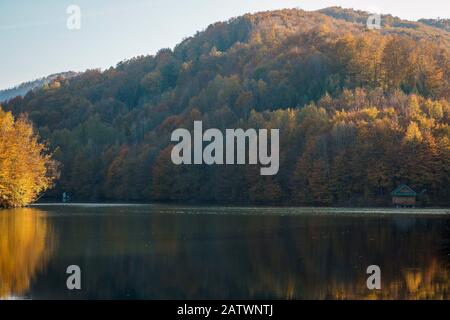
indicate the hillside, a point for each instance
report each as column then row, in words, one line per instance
column 359, row 112
column 437, row 23
column 24, row 88
column 421, row 28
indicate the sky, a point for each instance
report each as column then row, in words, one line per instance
column 35, row 40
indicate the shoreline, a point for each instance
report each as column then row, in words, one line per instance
column 257, row 210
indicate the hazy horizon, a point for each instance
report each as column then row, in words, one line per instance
column 36, row 42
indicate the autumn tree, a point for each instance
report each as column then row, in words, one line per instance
column 26, row 167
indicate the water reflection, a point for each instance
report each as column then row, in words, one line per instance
column 26, row 242
column 155, row 253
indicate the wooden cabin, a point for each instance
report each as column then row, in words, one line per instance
column 404, row 196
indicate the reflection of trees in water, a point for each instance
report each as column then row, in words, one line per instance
column 26, row 241
column 197, row 256
column 332, row 258
column 432, row 281
column 445, row 245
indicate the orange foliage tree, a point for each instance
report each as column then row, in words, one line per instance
column 26, row 167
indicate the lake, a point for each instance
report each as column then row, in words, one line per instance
column 203, row 252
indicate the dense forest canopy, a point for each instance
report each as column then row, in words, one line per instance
column 359, row 111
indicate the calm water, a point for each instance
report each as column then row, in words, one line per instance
column 159, row 252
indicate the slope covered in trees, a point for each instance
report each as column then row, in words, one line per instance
column 359, row 111
column 24, row 88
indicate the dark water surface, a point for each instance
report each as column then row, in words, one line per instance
column 182, row 252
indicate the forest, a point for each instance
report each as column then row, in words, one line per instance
column 359, row 112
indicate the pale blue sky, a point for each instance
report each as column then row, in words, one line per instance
column 35, row 42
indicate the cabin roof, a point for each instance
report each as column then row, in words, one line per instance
column 403, row 191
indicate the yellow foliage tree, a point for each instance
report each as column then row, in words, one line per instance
column 26, row 167
column 413, row 132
